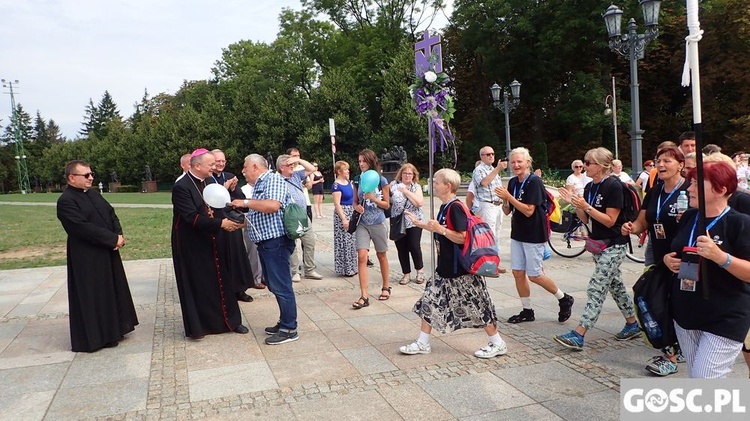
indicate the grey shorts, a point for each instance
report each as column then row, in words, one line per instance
column 377, row 233
column 527, row 257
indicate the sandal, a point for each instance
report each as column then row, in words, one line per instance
column 365, row 301
column 420, row 277
column 405, row 280
column 384, row 297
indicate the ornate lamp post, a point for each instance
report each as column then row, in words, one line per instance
column 23, row 172
column 632, row 45
column 506, row 106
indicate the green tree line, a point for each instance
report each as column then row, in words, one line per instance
column 352, row 60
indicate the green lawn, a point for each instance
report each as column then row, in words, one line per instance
column 33, row 237
column 159, row 198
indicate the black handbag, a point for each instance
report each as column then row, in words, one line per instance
column 353, row 221
column 398, row 227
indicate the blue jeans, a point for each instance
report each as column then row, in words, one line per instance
column 274, row 258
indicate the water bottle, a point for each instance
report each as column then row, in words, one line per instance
column 682, row 202
column 652, row 328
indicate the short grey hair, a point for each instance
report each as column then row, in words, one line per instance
column 449, row 176
column 258, row 160
column 525, row 154
column 280, row 161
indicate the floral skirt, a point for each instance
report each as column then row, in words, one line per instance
column 344, row 251
column 449, row 304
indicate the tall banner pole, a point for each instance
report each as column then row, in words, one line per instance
column 332, row 132
column 691, row 76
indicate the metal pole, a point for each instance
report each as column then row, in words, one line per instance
column 506, row 109
column 614, row 117
column 430, row 185
column 636, row 134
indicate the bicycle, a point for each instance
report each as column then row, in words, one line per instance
column 569, row 239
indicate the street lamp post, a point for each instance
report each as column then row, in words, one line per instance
column 632, row 45
column 613, row 112
column 506, row 106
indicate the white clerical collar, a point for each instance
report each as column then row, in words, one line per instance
column 193, row 174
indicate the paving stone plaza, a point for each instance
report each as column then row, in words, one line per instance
column 345, row 366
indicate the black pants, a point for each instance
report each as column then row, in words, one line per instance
column 410, row 244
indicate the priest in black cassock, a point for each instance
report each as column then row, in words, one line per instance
column 99, row 302
column 241, row 274
column 201, row 269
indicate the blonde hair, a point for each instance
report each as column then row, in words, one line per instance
column 601, row 156
column 525, row 154
column 720, row 157
column 449, row 176
column 411, row 167
column 340, row 166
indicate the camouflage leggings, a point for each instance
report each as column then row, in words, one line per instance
column 606, row 277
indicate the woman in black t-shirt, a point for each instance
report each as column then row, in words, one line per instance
column 452, row 298
column 601, row 204
column 658, row 215
column 711, row 331
column 525, row 198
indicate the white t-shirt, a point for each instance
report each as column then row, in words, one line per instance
column 644, row 178
column 578, row 183
column 624, row 177
column 743, row 172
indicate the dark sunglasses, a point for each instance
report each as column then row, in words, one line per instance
column 87, row 175
column 587, row 163
column 489, row 154
column 578, row 166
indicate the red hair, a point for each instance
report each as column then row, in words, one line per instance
column 720, row 174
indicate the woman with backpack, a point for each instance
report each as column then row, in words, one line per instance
column 525, row 198
column 711, row 331
column 452, row 299
column 659, row 217
column 601, row 204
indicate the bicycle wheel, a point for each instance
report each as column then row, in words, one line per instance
column 571, row 243
column 636, row 250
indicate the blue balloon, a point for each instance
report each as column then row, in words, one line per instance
column 369, row 181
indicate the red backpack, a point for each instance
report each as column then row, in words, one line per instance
column 479, row 255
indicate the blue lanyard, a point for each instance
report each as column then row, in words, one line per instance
column 223, row 178
column 518, row 189
column 658, row 202
column 589, row 201
column 692, row 242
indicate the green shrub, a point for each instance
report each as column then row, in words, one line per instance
column 128, row 189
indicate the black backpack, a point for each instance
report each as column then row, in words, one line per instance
column 631, row 202
column 654, row 287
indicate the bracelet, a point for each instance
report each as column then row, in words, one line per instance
column 729, row 260
column 445, row 232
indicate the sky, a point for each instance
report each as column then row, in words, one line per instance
column 65, row 52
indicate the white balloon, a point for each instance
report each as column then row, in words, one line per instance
column 216, row 195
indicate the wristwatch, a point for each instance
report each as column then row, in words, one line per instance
column 588, row 210
column 245, row 202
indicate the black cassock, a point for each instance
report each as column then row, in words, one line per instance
column 208, row 303
column 100, row 306
column 232, row 243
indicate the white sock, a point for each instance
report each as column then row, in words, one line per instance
column 496, row 339
column 526, row 302
column 559, row 294
column 424, row 338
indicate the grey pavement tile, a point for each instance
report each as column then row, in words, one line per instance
column 267, row 413
column 368, row 360
column 35, row 346
column 315, row 308
column 58, row 304
column 630, row 362
column 99, row 400
column 26, row 309
column 33, row 360
column 222, row 350
column 313, row 367
column 334, row 324
column 23, row 380
column 346, row 338
column 106, row 366
column 365, row 405
column 475, row 394
column 26, row 406
column 380, row 329
column 230, row 380
column 308, row 343
column 40, row 295
column 547, row 381
column 413, row 403
column 534, row 412
column 548, row 329
column 603, row 405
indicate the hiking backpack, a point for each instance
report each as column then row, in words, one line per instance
column 654, row 287
column 631, row 203
column 479, row 255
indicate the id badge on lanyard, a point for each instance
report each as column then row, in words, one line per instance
column 688, row 274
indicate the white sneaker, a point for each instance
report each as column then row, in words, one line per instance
column 491, row 350
column 415, row 347
column 296, row 278
column 313, row 275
